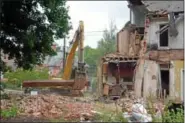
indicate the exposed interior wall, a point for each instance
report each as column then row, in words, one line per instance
column 117, row 77
column 138, row 79
column 123, row 42
column 177, row 42
column 174, row 42
column 178, row 67
column 152, row 37
column 128, row 42
column 146, row 79
column 151, row 79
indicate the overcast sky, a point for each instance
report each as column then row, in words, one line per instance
column 96, row 16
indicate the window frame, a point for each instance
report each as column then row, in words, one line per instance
column 162, row 47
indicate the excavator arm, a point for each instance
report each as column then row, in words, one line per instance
column 77, row 41
column 80, row 74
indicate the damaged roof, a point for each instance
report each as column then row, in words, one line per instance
column 169, row 6
column 135, row 2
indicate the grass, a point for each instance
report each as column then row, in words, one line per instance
column 166, row 115
column 9, row 113
column 63, row 120
column 109, row 113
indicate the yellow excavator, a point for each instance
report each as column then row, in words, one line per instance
column 65, row 82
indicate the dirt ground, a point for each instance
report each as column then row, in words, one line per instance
column 52, row 107
column 49, row 107
column 24, row 119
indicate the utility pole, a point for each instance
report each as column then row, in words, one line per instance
column 64, row 52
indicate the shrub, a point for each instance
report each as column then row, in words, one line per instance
column 16, row 78
column 109, row 117
column 173, row 116
column 8, row 113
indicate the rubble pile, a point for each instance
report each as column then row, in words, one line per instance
column 6, row 104
column 42, row 105
column 127, row 101
column 53, row 106
column 126, row 104
column 75, row 110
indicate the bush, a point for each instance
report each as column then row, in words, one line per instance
column 16, row 78
column 174, row 116
column 109, row 117
column 8, row 113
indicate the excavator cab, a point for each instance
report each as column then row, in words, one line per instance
column 79, row 75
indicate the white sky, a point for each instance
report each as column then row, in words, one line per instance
column 96, row 16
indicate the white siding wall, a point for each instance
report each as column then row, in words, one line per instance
column 174, row 42
column 178, row 42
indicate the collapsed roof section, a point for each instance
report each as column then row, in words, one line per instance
column 169, row 6
column 117, row 57
column 156, row 6
column 135, row 2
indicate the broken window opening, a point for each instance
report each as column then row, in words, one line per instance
column 176, row 14
column 163, row 38
column 165, row 82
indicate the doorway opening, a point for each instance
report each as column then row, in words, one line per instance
column 165, row 82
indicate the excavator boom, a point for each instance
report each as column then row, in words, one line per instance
column 77, row 41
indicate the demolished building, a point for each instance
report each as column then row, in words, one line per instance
column 150, row 52
column 163, row 50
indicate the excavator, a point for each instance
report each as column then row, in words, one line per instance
column 76, row 85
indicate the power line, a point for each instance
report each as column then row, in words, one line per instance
column 95, row 31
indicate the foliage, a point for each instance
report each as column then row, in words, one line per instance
column 90, row 55
column 8, row 113
column 94, row 84
column 167, row 116
column 16, row 78
column 3, row 67
column 28, row 29
column 106, row 45
column 109, row 117
column 108, row 113
column 172, row 116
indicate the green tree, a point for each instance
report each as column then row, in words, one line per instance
column 27, row 33
column 90, row 57
column 108, row 43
